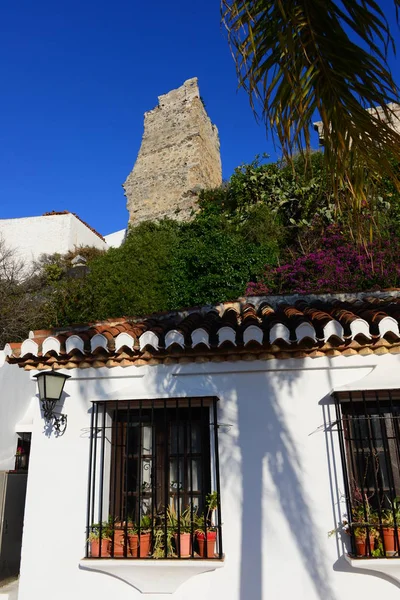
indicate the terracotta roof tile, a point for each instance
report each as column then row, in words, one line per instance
column 258, row 327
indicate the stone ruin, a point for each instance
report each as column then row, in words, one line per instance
column 178, row 156
column 394, row 119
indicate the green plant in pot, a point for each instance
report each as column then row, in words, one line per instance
column 181, row 528
column 206, row 532
column 99, row 538
column 119, row 543
column 139, row 537
column 364, row 534
column 391, row 527
column 163, row 535
column 364, row 537
column 162, row 543
column 364, row 524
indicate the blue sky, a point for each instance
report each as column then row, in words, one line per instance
column 76, row 80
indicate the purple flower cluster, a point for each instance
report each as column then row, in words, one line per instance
column 338, row 265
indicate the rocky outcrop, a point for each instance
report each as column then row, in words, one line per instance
column 179, row 155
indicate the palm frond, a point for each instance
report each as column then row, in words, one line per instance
column 299, row 57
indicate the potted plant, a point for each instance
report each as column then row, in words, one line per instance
column 119, row 544
column 391, row 527
column 206, row 532
column 139, row 537
column 364, row 537
column 364, row 527
column 162, row 542
column 181, row 529
column 99, row 538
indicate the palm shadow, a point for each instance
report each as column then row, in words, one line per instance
column 255, row 440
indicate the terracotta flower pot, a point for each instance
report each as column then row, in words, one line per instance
column 119, row 543
column 144, row 548
column 392, row 544
column 362, row 547
column 95, row 548
column 183, row 543
column 206, row 541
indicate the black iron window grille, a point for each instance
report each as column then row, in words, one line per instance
column 154, row 489
column 369, row 439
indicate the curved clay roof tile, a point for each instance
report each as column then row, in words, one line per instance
column 265, row 309
column 230, row 318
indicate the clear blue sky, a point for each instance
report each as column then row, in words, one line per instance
column 76, row 78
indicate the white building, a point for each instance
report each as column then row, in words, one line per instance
column 55, row 232
column 266, row 399
column 116, row 239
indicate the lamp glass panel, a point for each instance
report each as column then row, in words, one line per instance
column 40, row 381
column 54, row 386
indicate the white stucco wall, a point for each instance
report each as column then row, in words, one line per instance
column 16, row 389
column 32, row 236
column 114, row 240
column 281, row 490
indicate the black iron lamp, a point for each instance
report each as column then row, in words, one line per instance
column 51, row 385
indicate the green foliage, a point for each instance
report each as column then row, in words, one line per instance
column 131, row 280
column 204, row 521
column 101, row 530
column 134, row 279
column 391, row 516
column 53, row 272
column 287, row 59
column 183, row 524
column 268, row 218
column 290, row 193
column 212, row 259
column 299, row 203
column 144, row 526
column 167, row 265
column 53, row 267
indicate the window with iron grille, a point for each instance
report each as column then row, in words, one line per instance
column 369, row 438
column 154, row 483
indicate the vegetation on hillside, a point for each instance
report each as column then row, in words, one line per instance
column 20, row 309
column 271, row 228
column 162, row 266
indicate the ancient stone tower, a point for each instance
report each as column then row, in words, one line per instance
column 178, row 156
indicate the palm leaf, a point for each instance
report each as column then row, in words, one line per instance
column 299, row 57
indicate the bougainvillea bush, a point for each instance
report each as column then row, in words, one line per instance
column 339, row 265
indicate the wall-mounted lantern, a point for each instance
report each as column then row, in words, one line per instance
column 51, row 385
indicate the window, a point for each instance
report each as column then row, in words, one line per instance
column 369, row 437
column 154, row 482
column 22, row 452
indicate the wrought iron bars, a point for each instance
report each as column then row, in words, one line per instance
column 154, row 486
column 369, row 441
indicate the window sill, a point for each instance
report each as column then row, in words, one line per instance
column 387, row 566
column 152, row 576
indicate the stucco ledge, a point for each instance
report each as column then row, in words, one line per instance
column 152, row 576
column 387, row 566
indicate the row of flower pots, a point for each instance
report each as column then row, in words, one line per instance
column 141, row 548
column 205, row 543
column 375, row 530
column 371, row 543
column 161, row 535
column 133, row 547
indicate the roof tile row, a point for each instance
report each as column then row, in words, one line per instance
column 240, row 330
